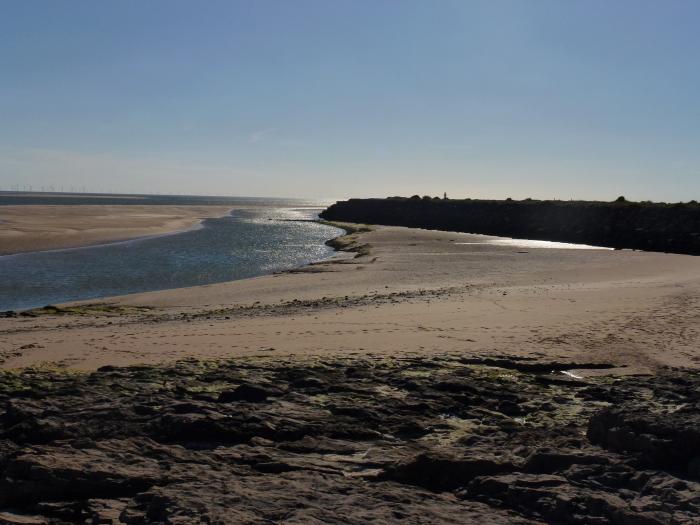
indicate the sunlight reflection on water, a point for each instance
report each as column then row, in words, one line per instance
column 248, row 243
column 525, row 243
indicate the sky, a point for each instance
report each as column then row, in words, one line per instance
column 333, row 99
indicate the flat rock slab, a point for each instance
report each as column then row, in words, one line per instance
column 348, row 441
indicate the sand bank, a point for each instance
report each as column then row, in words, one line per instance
column 27, row 228
column 408, row 292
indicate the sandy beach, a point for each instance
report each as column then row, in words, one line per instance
column 422, row 377
column 27, row 228
column 407, row 291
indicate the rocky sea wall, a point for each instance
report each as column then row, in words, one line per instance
column 673, row 228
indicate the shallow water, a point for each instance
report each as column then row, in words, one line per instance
column 526, row 243
column 251, row 242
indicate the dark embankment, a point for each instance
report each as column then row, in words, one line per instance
column 659, row 227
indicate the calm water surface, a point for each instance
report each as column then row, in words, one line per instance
column 257, row 240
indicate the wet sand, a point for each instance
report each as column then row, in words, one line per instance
column 405, row 292
column 27, row 228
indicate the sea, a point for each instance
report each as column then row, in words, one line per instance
column 259, row 237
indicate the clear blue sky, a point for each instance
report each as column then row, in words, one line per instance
column 330, row 98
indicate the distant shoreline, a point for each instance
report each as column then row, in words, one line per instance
column 27, row 228
column 194, row 227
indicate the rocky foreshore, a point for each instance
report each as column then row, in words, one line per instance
column 358, row 440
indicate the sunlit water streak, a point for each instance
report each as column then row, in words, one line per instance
column 525, row 243
column 251, row 242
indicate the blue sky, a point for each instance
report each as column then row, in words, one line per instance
column 331, row 98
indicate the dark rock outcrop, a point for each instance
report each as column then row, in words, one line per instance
column 668, row 442
column 621, row 224
column 355, row 441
